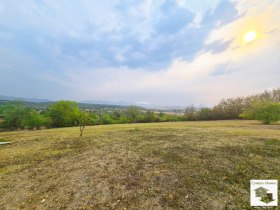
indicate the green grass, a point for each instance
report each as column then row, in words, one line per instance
column 4, row 140
column 181, row 165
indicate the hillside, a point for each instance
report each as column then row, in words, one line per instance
column 188, row 165
column 13, row 98
column 44, row 105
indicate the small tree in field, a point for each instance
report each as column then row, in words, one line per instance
column 83, row 121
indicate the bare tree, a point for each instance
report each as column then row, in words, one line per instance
column 190, row 112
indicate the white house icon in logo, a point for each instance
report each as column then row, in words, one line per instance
column 264, row 192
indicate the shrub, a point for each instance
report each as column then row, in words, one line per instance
column 265, row 112
column 205, row 114
column 34, row 120
column 15, row 115
column 64, row 113
column 133, row 113
column 150, row 117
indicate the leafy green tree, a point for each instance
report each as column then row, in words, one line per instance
column 99, row 116
column 166, row 117
column 93, row 119
column 150, row 116
column 122, row 120
column 117, row 114
column 205, row 114
column 34, row 120
column 181, row 118
column 133, row 113
column 161, row 114
column 265, row 112
column 64, row 113
column 15, row 115
column 7, row 107
column 106, row 119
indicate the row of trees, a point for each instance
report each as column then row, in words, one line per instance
column 263, row 107
column 67, row 114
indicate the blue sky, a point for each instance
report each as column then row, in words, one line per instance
column 164, row 52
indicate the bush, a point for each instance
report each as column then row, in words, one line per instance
column 14, row 115
column 122, row 120
column 265, row 112
column 133, row 113
column 190, row 113
column 106, row 119
column 150, row 117
column 17, row 116
column 64, row 113
column 34, row 120
column 205, row 114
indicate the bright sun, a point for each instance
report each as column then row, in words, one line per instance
column 250, row 36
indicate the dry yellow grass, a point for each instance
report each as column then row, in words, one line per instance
column 187, row 165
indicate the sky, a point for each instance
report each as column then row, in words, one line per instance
column 165, row 52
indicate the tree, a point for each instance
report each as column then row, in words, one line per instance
column 106, row 119
column 205, row 114
column 16, row 115
column 64, row 113
column 150, row 116
column 19, row 116
column 34, row 120
column 266, row 112
column 92, row 118
column 117, row 114
column 122, row 120
column 99, row 116
column 133, row 113
column 83, row 120
column 190, row 112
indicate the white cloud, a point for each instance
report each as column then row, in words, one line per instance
column 94, row 32
column 251, row 68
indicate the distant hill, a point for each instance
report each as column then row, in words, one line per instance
column 44, row 105
column 13, row 98
column 97, row 104
column 41, row 104
column 122, row 103
column 37, row 100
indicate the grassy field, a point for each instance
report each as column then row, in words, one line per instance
column 181, row 165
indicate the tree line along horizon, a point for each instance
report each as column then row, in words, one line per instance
column 264, row 107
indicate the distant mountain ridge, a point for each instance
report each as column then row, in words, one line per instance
column 99, row 102
column 13, row 98
column 124, row 103
column 106, row 102
column 37, row 100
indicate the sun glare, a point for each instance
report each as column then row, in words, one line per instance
column 250, row 36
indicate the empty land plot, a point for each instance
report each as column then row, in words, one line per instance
column 183, row 165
